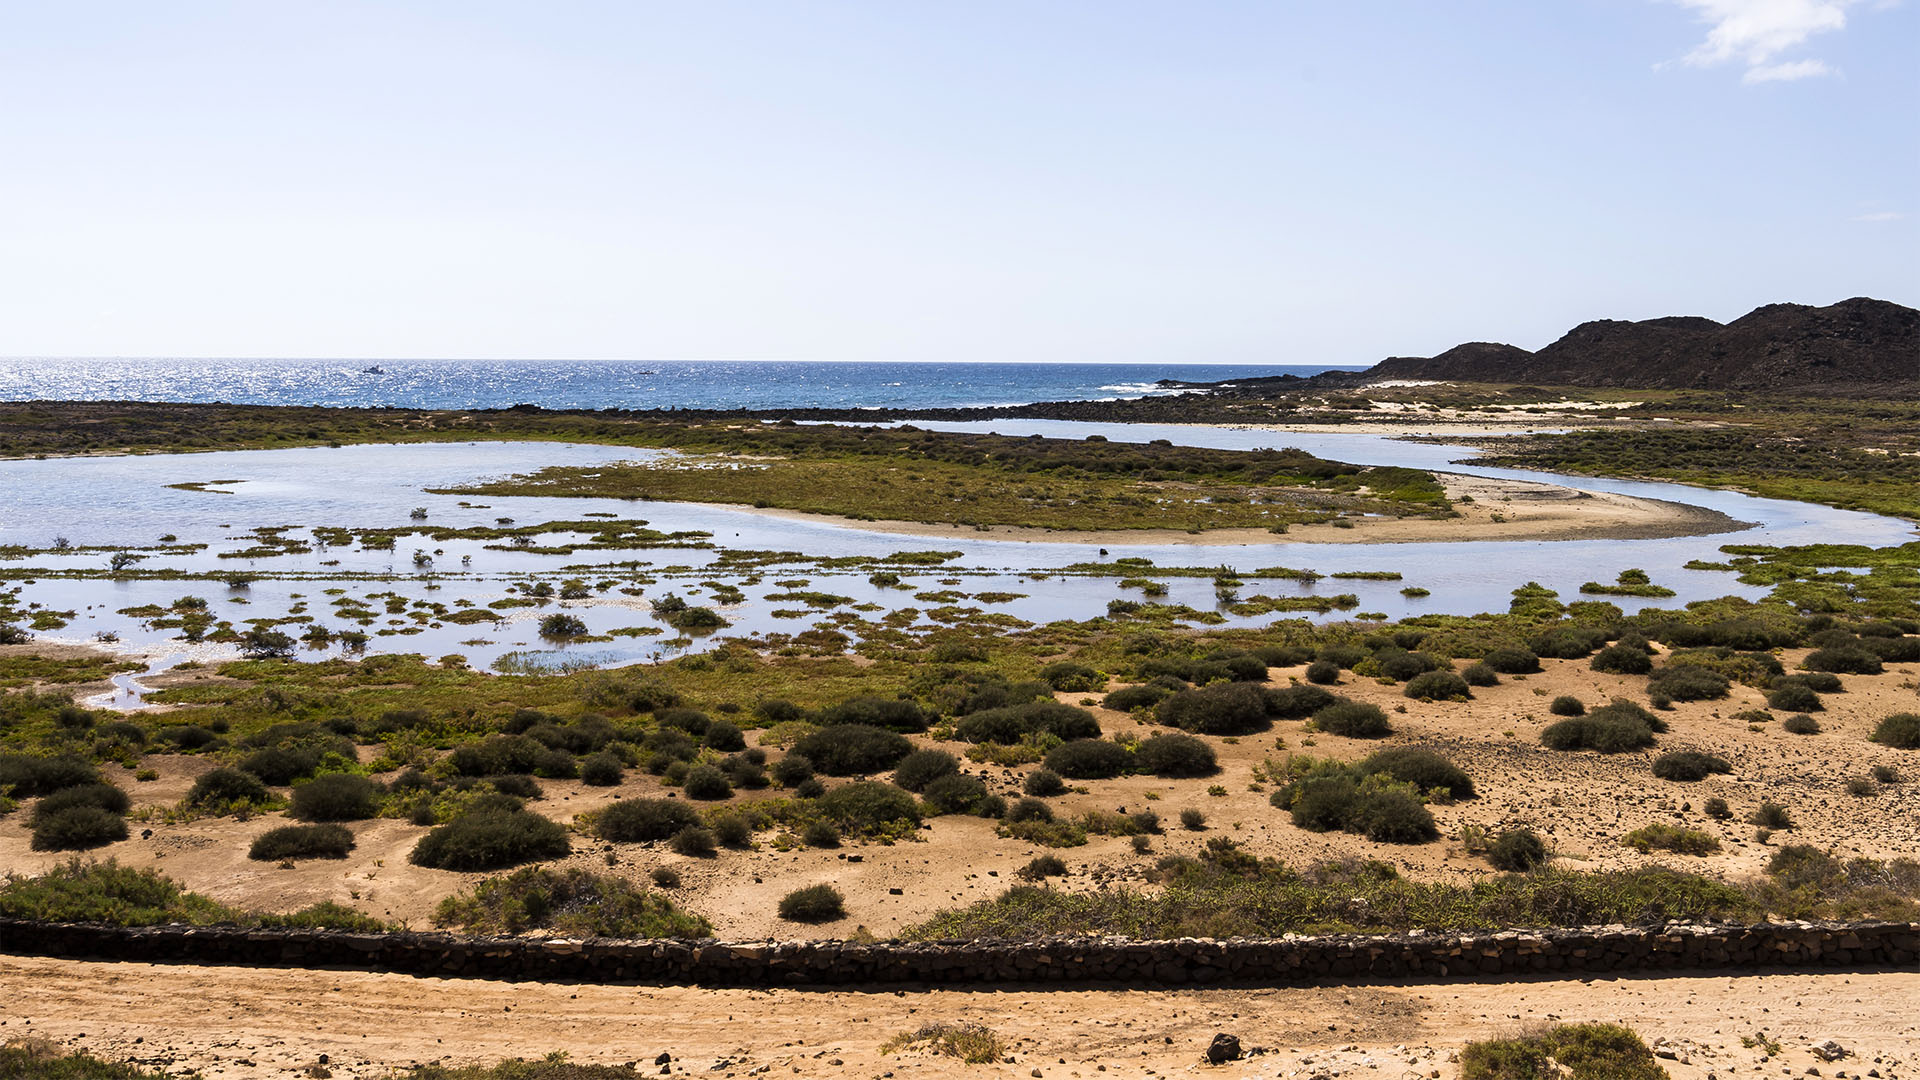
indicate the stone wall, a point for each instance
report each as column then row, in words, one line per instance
column 1051, row 960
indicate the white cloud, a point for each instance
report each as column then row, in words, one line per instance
column 1785, row 72
column 1879, row 216
column 1755, row 32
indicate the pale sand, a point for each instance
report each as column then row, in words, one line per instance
column 249, row 1024
column 1500, row 510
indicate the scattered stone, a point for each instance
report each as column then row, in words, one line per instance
column 1223, row 1049
column 1829, row 1051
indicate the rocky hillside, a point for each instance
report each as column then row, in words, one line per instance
column 1853, row 344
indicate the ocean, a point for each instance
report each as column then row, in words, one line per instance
column 597, row 384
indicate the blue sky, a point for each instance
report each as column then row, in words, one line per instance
column 1314, row 182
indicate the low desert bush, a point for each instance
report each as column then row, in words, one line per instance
column 336, row 797
column 1662, row 837
column 1129, row 698
column 1794, row 697
column 1090, row 759
column 1193, row 820
column 1844, row 660
column 1043, row 866
column 302, row 842
column 1688, row 682
column 1422, row 768
column 491, row 839
column 1567, row 705
column 603, row 769
column 707, row 782
column 1295, row 702
column 1688, row 765
column 820, row 834
column 694, row 841
column 225, row 787
column 1512, row 661
column 923, row 767
column 1323, row 673
column 1232, row 708
column 1610, row 729
column 1438, row 686
column 813, row 904
column 1573, row 1051
column 77, row 828
column 1480, row 675
column 631, row 821
column 1071, row 677
column 955, row 793
column 1771, row 815
column 1176, row 756
column 853, row 749
column 1801, row 724
column 1353, row 719
column 1011, row 723
column 1043, row 782
column 1623, row 660
column 868, row 807
column 571, row 902
column 1900, row 731
column 1517, row 851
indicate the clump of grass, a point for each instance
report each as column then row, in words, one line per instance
column 1771, row 815
column 1900, row 731
column 971, row 1043
column 491, row 838
column 1043, row 866
column 1517, row 851
column 1689, row 765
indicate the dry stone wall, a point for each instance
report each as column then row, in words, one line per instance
column 1856, row 946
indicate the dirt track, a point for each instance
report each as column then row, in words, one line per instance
column 244, row 1023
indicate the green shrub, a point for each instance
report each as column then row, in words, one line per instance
column 1295, row 702
column 1071, row 677
column 1794, row 697
column 1176, row 756
column 1663, row 837
column 1437, row 686
column 227, row 787
column 632, row 821
column 1771, row 815
column 1353, row 719
column 1233, row 708
column 1089, row 759
column 1575, row 1051
column 77, row 828
column 820, row 834
column 302, row 842
column 24, row 776
column 1801, row 724
column 923, row 767
column 1820, row 682
column 694, row 841
column 707, row 782
column 1129, row 698
column 1900, row 731
column 496, row 755
column 1323, row 673
column 1610, row 729
column 1012, row 723
column 1718, row 809
column 1371, row 806
column 1689, row 765
column 603, row 769
column 1512, row 661
column 1844, row 660
column 733, row 830
column 1568, row 642
column 1480, row 675
column 99, row 796
column 1622, row 660
column 725, row 736
column 1029, row 810
column 1567, row 705
column 890, row 713
column 571, row 902
column 1043, row 782
column 955, row 793
column 1688, row 682
column 1422, row 768
column 1043, row 866
column 792, row 770
column 813, row 904
column 1517, row 851
column 491, row 840
column 336, row 797
column 868, row 807
column 853, row 749
column 1193, row 819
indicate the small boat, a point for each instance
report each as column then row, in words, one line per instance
column 374, row 370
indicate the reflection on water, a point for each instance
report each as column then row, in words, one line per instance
column 409, row 591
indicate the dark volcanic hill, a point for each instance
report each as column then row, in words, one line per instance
column 1854, row 343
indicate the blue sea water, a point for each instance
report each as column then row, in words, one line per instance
column 596, row 384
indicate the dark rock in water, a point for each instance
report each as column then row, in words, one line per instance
column 1223, row 1048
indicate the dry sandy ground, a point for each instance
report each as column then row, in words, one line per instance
column 1498, row 510
column 1582, row 802
column 242, row 1023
